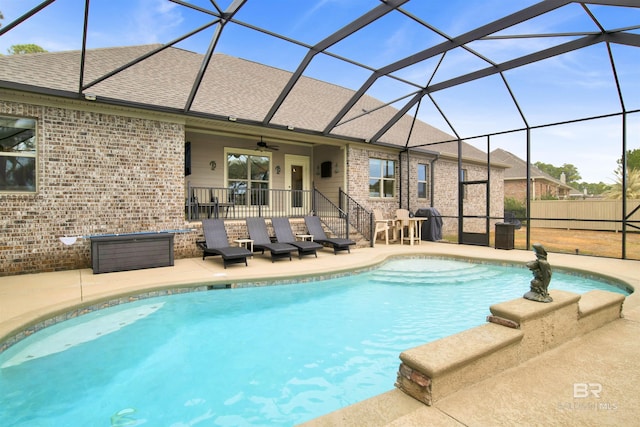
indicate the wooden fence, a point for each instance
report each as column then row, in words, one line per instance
column 583, row 214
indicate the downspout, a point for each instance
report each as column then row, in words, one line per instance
column 431, row 180
column 460, row 195
column 400, row 177
column 408, row 181
column 533, row 187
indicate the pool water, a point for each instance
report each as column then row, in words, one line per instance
column 276, row 355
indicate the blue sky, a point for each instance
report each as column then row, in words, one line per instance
column 574, row 85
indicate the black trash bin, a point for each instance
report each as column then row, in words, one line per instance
column 505, row 235
column 431, row 228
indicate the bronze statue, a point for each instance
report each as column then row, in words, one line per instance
column 541, row 276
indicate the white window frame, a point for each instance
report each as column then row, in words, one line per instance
column 245, row 152
column 5, row 120
column 382, row 179
column 427, row 190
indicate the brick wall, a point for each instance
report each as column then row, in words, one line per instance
column 100, row 172
column 516, row 190
column 445, row 197
column 446, row 194
column 358, row 179
column 97, row 173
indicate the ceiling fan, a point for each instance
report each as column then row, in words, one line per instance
column 264, row 146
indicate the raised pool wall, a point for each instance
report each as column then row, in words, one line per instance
column 516, row 331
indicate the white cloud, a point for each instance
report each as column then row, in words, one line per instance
column 309, row 14
column 154, row 21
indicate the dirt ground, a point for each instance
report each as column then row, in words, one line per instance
column 583, row 242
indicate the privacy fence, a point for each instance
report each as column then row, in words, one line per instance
column 604, row 215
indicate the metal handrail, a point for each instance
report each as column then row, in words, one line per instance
column 335, row 218
column 360, row 217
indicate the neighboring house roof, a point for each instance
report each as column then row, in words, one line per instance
column 518, row 168
column 230, row 87
column 575, row 193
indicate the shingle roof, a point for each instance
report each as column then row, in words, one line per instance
column 231, row 87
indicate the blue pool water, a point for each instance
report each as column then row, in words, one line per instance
column 277, row 355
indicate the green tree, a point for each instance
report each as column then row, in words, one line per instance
column 633, row 160
column 633, row 186
column 19, row 49
column 516, row 206
column 571, row 173
column 593, row 188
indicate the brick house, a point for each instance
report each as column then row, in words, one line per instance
column 543, row 185
column 124, row 156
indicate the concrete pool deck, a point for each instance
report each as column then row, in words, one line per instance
column 603, row 363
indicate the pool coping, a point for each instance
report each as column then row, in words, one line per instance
column 35, row 321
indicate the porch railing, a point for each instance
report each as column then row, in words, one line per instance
column 221, row 202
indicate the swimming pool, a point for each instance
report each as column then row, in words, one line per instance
column 277, row 355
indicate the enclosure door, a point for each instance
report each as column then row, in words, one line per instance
column 297, row 181
column 474, row 221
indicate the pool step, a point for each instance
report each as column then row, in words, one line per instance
column 429, row 276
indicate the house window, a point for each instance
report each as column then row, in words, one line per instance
column 248, row 177
column 423, row 181
column 17, row 154
column 382, row 178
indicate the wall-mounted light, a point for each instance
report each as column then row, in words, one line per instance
column 318, row 170
column 278, row 169
column 232, row 118
column 213, row 165
column 336, row 171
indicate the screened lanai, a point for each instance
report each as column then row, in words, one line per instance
column 553, row 83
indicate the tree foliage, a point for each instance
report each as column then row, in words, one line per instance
column 516, row 206
column 571, row 173
column 20, row 49
column 633, row 160
column 572, row 176
column 593, row 188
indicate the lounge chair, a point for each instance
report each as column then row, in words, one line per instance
column 261, row 240
column 282, row 227
column 217, row 243
column 315, row 227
